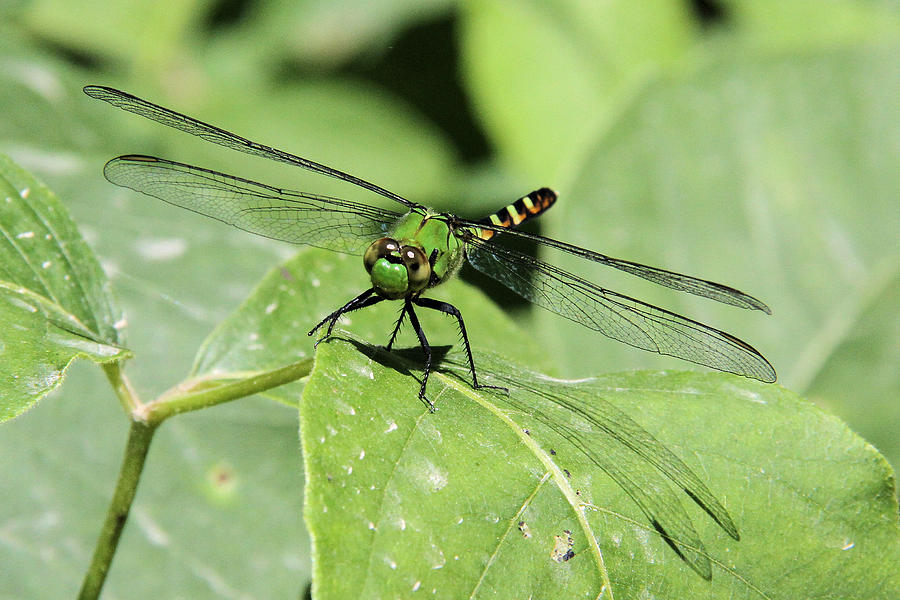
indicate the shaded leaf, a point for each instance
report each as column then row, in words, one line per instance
column 465, row 503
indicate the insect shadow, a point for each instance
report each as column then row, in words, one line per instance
column 406, row 361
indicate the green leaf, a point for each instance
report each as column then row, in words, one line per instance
column 117, row 30
column 486, row 496
column 861, row 343
column 776, row 176
column 329, row 33
column 584, row 59
column 270, row 328
column 55, row 303
column 772, row 24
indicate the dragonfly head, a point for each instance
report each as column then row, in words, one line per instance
column 396, row 270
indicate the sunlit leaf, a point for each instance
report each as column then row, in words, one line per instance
column 487, row 496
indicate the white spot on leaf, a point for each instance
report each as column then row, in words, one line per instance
column 434, row 478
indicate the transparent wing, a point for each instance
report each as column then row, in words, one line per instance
column 640, row 465
column 615, row 315
column 611, row 440
column 219, row 136
column 676, row 281
column 296, row 217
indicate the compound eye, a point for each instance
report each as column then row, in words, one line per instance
column 417, row 267
column 379, row 249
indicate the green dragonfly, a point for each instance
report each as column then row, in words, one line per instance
column 409, row 251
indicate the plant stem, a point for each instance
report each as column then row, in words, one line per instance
column 139, row 437
column 170, row 404
column 127, row 397
column 145, row 418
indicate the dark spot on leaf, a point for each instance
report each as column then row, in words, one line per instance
column 526, row 531
column 562, row 547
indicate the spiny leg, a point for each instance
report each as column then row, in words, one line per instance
column 363, row 300
column 425, row 348
column 397, row 326
column 447, row 308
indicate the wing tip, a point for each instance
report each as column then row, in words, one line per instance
column 100, row 92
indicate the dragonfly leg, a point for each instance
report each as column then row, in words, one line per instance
column 447, row 308
column 425, row 348
column 397, row 327
column 363, row 300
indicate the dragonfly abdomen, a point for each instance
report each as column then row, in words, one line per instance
column 523, row 209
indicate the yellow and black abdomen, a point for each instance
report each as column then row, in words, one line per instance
column 523, row 209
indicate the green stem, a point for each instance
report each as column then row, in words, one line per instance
column 170, row 404
column 139, row 438
column 145, row 418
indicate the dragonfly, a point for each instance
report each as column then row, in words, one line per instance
column 413, row 249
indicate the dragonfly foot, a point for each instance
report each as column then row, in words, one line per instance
column 427, row 402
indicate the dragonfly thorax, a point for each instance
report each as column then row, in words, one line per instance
column 397, row 271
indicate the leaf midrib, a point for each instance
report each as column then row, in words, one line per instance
column 562, row 483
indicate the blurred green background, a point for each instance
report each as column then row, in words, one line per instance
column 755, row 143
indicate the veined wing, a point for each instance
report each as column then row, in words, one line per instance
column 214, row 134
column 639, row 463
column 670, row 279
column 615, row 315
column 296, row 217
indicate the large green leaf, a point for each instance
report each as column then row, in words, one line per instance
column 486, row 496
column 55, row 302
